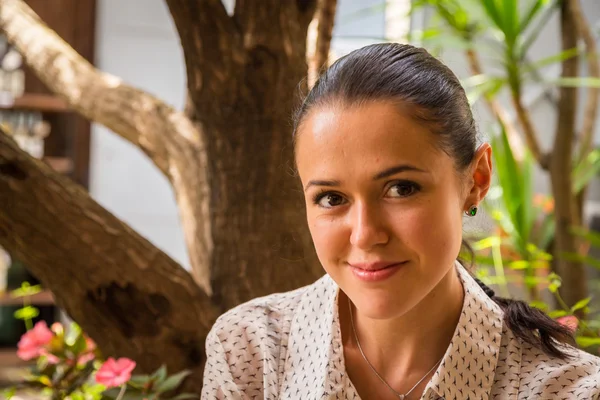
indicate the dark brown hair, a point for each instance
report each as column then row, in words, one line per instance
column 412, row 77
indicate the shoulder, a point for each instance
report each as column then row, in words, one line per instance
column 264, row 319
column 575, row 377
column 246, row 346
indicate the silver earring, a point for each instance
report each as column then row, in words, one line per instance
column 472, row 211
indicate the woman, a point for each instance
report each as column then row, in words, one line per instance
column 387, row 154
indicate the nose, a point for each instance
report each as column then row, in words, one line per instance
column 368, row 227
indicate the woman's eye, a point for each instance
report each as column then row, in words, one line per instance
column 329, row 200
column 403, row 189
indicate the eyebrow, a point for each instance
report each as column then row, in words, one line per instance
column 396, row 170
column 381, row 175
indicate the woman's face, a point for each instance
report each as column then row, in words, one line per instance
column 384, row 205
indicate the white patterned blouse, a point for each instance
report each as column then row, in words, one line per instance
column 289, row 346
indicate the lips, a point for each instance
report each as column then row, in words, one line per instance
column 375, row 266
column 377, row 271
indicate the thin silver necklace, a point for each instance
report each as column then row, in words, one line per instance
column 400, row 395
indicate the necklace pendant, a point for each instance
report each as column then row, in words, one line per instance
column 401, row 396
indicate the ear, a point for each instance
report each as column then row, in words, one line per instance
column 480, row 176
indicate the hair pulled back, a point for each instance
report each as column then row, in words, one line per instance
column 430, row 92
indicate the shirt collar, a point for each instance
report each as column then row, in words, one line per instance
column 466, row 371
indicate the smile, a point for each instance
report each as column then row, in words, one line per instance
column 375, row 272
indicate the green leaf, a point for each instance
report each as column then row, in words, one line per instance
column 585, row 170
column 516, row 182
column 9, row 393
column 585, row 341
column 581, row 304
column 482, row 85
column 591, row 261
column 531, row 14
column 585, row 81
column 27, row 312
column 554, row 282
column 160, row 374
column 511, row 20
column 486, row 243
column 173, row 381
column 76, row 396
column 482, row 261
column 493, row 12
column 539, row 305
column 541, row 23
column 590, row 236
column 553, row 59
column 79, row 346
column 519, row 264
column 527, row 212
column 546, row 232
column 558, row 313
column 26, row 290
column 139, row 380
column 73, row 334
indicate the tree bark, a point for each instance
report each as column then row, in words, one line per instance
column 129, row 296
column 325, row 19
column 260, row 239
column 229, row 157
column 167, row 136
column 573, row 274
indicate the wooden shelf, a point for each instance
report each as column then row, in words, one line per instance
column 37, row 102
column 8, row 357
column 62, row 165
column 43, row 298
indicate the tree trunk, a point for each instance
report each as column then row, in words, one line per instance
column 573, row 274
column 229, row 158
column 129, row 296
column 242, row 92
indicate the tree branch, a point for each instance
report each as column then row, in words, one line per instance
column 209, row 41
column 591, row 106
column 129, row 296
column 167, row 136
column 573, row 273
column 325, row 17
column 131, row 113
column 529, row 130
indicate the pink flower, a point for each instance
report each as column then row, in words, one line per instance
column 114, row 373
column 84, row 359
column 90, row 345
column 33, row 341
column 51, row 358
column 570, row 321
column 57, row 328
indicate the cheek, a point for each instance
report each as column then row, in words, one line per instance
column 434, row 229
column 329, row 236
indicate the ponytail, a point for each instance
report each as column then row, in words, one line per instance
column 530, row 324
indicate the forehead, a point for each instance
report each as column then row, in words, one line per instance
column 365, row 137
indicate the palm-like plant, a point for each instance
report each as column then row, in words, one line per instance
column 504, row 31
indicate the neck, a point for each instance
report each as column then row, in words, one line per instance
column 414, row 342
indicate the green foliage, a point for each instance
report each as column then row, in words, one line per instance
column 518, row 250
column 27, row 313
column 67, row 363
column 153, row 386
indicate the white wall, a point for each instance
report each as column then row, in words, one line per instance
column 136, row 40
